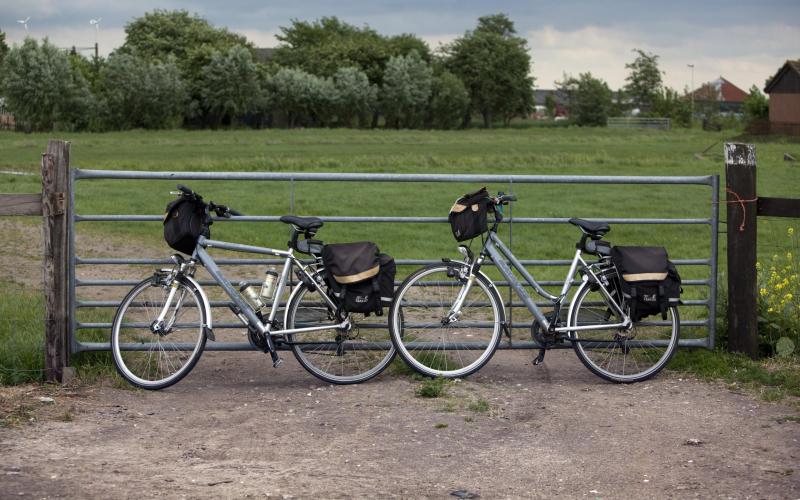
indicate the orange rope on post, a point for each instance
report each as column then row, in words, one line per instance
column 741, row 203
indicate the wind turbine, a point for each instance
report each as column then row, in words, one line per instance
column 24, row 22
column 96, row 24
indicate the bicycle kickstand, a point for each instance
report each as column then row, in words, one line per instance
column 540, row 358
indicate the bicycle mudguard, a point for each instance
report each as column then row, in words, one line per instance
column 208, row 327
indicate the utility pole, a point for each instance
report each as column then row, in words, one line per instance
column 691, row 88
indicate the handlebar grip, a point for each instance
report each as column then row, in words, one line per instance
column 235, row 212
column 185, row 190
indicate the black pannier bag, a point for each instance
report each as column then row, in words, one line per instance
column 185, row 221
column 649, row 280
column 360, row 276
column 468, row 215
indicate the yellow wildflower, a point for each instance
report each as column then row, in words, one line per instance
column 763, row 292
column 789, row 296
column 790, row 231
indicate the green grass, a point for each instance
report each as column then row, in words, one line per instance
column 22, row 341
column 504, row 151
column 771, row 379
column 479, row 406
column 21, row 335
column 432, row 388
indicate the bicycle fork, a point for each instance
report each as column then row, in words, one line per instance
column 158, row 326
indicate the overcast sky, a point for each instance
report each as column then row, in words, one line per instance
column 746, row 42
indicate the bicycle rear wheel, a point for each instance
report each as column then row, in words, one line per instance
column 618, row 354
column 334, row 355
column 437, row 348
column 153, row 356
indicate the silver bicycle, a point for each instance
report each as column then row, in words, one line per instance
column 161, row 327
column 447, row 319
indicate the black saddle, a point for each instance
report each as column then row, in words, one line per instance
column 594, row 229
column 304, row 223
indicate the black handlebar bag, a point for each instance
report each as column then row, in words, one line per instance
column 185, row 221
column 468, row 215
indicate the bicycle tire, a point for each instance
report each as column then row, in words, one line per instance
column 133, row 343
column 426, row 344
column 333, row 355
column 619, row 355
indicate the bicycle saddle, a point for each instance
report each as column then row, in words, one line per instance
column 592, row 228
column 304, row 223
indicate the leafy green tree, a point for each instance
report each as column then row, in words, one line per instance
column 322, row 47
column 39, row 86
column 404, row 44
column 550, row 105
column 644, row 80
column 592, row 100
column 406, row 90
column 356, row 97
column 449, row 101
column 140, row 93
column 230, row 85
column 188, row 40
column 296, row 93
column 669, row 104
column 756, row 105
column 3, row 47
column 494, row 65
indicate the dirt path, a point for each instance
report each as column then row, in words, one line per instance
column 237, row 427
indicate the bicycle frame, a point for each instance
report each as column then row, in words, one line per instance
column 502, row 256
column 265, row 328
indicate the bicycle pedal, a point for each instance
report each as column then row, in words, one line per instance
column 277, row 362
column 540, row 358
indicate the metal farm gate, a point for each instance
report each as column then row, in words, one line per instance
column 79, row 178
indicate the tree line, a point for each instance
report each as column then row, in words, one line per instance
column 176, row 69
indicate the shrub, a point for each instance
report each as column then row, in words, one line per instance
column 779, row 301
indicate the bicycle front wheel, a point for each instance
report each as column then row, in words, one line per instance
column 431, row 344
column 619, row 354
column 152, row 353
column 335, row 355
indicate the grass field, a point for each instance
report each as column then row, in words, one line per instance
column 507, row 151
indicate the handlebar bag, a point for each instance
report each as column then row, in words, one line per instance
column 185, row 220
column 468, row 215
column 650, row 282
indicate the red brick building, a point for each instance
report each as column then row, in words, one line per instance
column 720, row 95
column 784, row 99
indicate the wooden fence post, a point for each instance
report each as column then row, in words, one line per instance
column 740, row 181
column 55, row 185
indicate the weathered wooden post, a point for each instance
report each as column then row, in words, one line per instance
column 740, row 182
column 55, row 186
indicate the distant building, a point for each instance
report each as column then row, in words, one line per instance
column 720, row 95
column 784, row 99
column 264, row 54
column 560, row 99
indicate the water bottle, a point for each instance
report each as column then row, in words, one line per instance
column 251, row 295
column 268, row 287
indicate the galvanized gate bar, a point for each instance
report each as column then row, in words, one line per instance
column 358, row 177
column 81, row 174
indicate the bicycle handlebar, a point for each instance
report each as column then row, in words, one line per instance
column 503, row 199
column 220, row 210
